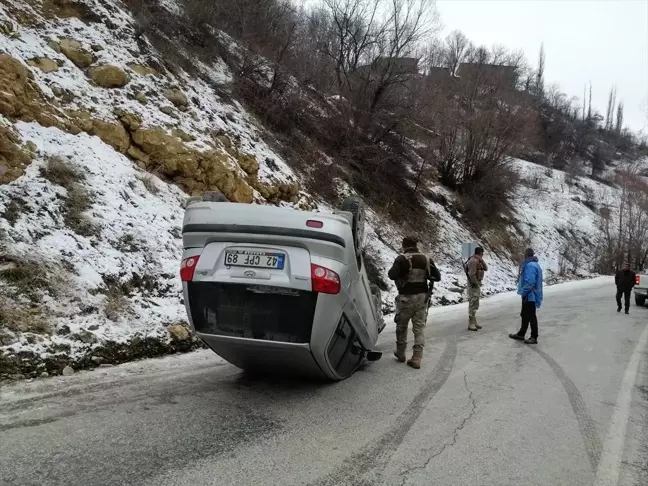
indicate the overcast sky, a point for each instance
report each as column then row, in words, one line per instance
column 605, row 41
column 602, row 41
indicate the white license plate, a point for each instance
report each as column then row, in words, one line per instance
column 254, row 258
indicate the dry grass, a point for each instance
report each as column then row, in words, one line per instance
column 76, row 204
column 21, row 320
column 78, row 200
column 28, row 279
column 14, row 210
column 116, row 304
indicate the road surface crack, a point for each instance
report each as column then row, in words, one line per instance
column 455, row 435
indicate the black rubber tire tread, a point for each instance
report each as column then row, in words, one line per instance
column 356, row 206
column 640, row 301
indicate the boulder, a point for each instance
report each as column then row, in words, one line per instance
column 114, row 134
column 82, row 119
column 177, row 97
column 179, row 333
column 158, row 144
column 135, row 153
column 73, row 50
column 108, row 76
column 131, row 121
column 13, row 158
column 167, row 110
column 142, row 70
column 271, row 193
column 44, row 64
column 141, row 97
column 225, row 141
column 96, row 48
column 182, row 135
column 248, row 163
column 52, row 44
column 85, row 337
column 68, row 371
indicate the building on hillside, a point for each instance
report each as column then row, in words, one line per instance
column 489, row 75
column 390, row 66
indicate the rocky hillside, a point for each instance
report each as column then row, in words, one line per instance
column 102, row 137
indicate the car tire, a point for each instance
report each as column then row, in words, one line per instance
column 640, row 301
column 377, row 297
column 356, row 207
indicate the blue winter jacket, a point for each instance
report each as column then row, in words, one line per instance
column 530, row 281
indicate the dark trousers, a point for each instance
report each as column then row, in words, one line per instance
column 626, row 294
column 528, row 315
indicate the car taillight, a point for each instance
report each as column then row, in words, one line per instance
column 637, row 278
column 324, row 280
column 313, row 223
column 187, row 268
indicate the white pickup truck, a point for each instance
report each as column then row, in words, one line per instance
column 641, row 289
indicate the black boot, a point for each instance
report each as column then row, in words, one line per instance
column 531, row 340
column 618, row 309
column 516, row 337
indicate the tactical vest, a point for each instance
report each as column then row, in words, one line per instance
column 415, row 275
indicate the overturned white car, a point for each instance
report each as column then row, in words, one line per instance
column 275, row 289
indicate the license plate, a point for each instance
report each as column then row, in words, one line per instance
column 254, row 258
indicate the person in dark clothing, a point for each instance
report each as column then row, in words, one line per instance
column 411, row 272
column 625, row 282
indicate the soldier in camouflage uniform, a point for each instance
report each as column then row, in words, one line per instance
column 411, row 272
column 475, row 268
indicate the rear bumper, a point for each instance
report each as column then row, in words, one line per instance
column 641, row 291
column 266, row 356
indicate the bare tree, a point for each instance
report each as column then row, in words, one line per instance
column 623, row 227
column 540, row 73
column 589, row 109
column 609, row 117
column 458, row 46
column 619, row 119
column 434, row 55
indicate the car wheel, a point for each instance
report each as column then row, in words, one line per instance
column 356, row 206
column 640, row 301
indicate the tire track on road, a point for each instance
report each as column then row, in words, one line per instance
column 586, row 425
column 375, row 457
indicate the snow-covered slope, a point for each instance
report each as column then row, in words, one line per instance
column 101, row 284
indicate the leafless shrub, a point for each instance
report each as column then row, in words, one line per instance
column 534, row 181
column 60, row 172
column 14, row 210
column 77, row 201
column 26, row 278
column 569, row 257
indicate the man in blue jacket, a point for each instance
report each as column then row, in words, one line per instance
column 530, row 288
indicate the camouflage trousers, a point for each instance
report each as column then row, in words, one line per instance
column 474, row 293
column 411, row 307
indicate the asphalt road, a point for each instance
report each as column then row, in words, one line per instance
column 483, row 410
